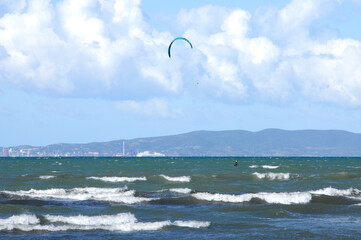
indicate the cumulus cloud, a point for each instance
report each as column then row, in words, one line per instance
column 86, row 48
column 152, row 108
column 105, row 48
column 279, row 60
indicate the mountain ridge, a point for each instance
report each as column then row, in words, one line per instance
column 267, row 142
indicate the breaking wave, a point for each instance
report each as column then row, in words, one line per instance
column 329, row 191
column 118, row 195
column 270, row 167
column 272, row 176
column 192, row 224
column 47, row 177
column 264, row 166
column 279, row 198
column 122, row 222
column 118, row 179
column 181, row 190
column 177, row 179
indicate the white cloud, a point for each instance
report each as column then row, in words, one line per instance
column 105, row 48
column 12, row 5
column 85, row 48
column 332, row 72
column 152, row 108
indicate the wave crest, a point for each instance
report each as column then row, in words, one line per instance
column 118, row 195
column 277, row 198
column 47, row 177
column 118, row 179
column 181, row 190
column 124, row 222
column 272, row 176
column 177, row 179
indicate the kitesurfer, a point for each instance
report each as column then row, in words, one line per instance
column 235, row 163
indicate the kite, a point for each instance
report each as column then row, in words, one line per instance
column 178, row 38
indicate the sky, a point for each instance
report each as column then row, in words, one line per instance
column 98, row 70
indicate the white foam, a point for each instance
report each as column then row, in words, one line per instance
column 177, row 179
column 278, row 198
column 18, row 221
column 119, row 195
column 192, row 224
column 329, row 191
column 181, row 190
column 119, row 179
column 47, row 177
column 270, row 167
column 272, row 176
column 103, row 220
column 124, row 222
column 253, row 166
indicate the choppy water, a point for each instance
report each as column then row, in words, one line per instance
column 180, row 198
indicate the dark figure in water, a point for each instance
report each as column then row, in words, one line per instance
column 235, row 163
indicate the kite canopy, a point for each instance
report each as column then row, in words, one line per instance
column 178, row 38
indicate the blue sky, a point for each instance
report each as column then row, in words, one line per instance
column 98, row 70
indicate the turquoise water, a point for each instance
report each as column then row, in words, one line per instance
column 180, row 198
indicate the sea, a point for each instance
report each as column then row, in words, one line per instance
column 180, row 198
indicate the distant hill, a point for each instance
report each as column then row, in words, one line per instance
column 269, row 142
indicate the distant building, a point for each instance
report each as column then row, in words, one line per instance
column 93, row 154
column 5, row 152
column 150, row 154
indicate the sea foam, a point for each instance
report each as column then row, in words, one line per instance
column 277, row 198
column 181, row 190
column 192, row 224
column 177, row 179
column 118, row 179
column 119, row 195
column 329, row 191
column 123, row 222
column 47, row 177
column 23, row 219
column 272, row 176
column 264, row 166
column 269, row 167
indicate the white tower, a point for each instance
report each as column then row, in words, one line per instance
column 123, row 148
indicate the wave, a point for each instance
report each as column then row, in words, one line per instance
column 270, row 167
column 192, row 224
column 117, row 195
column 264, row 166
column 177, row 179
column 181, row 190
column 118, row 179
column 279, row 198
column 123, row 222
column 47, row 177
column 342, row 175
column 329, row 191
column 272, row 176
